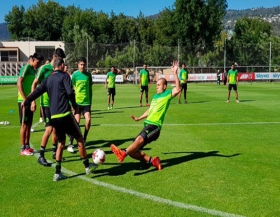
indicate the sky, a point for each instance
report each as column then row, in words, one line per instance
column 130, row 7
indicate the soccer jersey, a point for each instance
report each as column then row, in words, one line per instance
column 27, row 72
column 183, row 76
column 144, row 75
column 44, row 72
column 232, row 74
column 82, row 83
column 111, row 78
column 158, row 108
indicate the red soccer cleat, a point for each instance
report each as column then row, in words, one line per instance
column 118, row 152
column 156, row 163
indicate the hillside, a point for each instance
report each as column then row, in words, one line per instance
column 271, row 15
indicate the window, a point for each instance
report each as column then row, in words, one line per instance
column 4, row 56
column 46, row 51
column 8, row 55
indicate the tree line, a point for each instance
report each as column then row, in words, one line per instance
column 194, row 26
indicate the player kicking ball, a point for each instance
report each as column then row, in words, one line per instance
column 153, row 123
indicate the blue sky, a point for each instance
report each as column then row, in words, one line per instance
column 130, row 7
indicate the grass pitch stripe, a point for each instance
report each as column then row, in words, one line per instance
column 154, row 198
column 137, row 125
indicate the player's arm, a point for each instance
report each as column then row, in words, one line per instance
column 141, row 117
column 90, row 88
column 20, row 88
column 177, row 89
column 33, row 87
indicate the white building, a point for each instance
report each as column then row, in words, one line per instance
column 13, row 54
column 19, row 51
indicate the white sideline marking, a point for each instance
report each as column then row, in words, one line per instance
column 199, row 124
column 146, row 196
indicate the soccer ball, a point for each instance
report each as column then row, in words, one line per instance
column 98, row 156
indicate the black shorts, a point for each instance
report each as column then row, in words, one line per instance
column 184, row 86
column 82, row 109
column 144, row 88
column 234, row 86
column 46, row 115
column 112, row 91
column 66, row 125
column 150, row 133
column 27, row 116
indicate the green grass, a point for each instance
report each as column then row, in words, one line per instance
column 216, row 156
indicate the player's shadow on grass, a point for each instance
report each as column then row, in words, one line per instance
column 246, row 100
column 119, row 169
column 198, row 102
column 126, row 107
column 106, row 143
column 111, row 111
column 185, row 158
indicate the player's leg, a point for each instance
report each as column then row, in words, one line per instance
column 60, row 126
column 45, row 138
column 179, row 95
column 113, row 93
column 109, row 98
column 87, row 115
column 54, row 143
column 148, row 134
column 141, row 94
column 185, row 92
column 74, row 130
column 27, row 118
column 147, row 95
column 77, row 116
column 229, row 90
column 236, row 93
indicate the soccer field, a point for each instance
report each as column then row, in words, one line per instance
column 219, row 159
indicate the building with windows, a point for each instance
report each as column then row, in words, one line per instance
column 19, row 51
column 14, row 54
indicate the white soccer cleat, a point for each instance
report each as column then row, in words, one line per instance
column 58, row 177
column 70, row 149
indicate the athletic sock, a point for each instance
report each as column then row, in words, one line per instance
column 86, row 162
column 85, row 135
column 150, row 160
column 54, row 148
column 58, row 167
column 22, row 147
column 125, row 152
column 42, row 151
column 27, row 146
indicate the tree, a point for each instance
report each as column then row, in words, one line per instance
column 165, row 28
column 199, row 23
column 15, row 20
column 250, row 41
column 41, row 22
